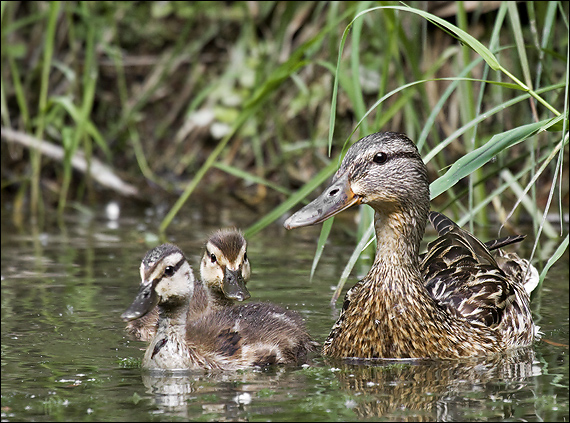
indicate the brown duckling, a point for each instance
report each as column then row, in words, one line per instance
column 224, row 270
column 191, row 335
column 458, row 302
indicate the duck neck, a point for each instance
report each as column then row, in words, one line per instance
column 218, row 300
column 201, row 300
column 173, row 313
column 398, row 236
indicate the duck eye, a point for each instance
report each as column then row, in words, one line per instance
column 380, row 158
column 213, row 258
column 169, row 271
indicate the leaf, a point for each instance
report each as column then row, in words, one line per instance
column 325, row 231
column 557, row 254
column 75, row 114
column 463, row 36
column 477, row 158
column 246, row 176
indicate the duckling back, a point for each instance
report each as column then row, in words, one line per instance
column 255, row 334
column 231, row 338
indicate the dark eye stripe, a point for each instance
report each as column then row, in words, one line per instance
column 174, row 270
column 179, row 264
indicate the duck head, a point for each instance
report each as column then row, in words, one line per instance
column 166, row 279
column 225, row 266
column 384, row 170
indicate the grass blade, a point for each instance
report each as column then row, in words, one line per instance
column 477, row 158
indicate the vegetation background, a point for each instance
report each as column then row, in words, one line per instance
column 158, row 102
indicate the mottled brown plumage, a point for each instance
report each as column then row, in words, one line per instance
column 458, row 302
column 190, row 334
column 224, row 271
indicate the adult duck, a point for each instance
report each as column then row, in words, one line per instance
column 192, row 335
column 457, row 302
column 224, row 270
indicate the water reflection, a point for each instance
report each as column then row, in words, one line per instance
column 225, row 395
column 429, row 390
column 393, row 390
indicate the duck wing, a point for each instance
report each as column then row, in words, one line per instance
column 443, row 224
column 518, row 270
column 461, row 275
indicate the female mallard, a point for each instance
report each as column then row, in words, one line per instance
column 191, row 335
column 458, row 302
column 224, row 270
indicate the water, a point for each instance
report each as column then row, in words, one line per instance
column 65, row 355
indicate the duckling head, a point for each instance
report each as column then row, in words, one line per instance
column 384, row 170
column 225, row 266
column 166, row 279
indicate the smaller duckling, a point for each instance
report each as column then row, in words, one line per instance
column 190, row 335
column 224, row 269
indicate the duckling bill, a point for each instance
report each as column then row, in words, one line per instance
column 457, row 300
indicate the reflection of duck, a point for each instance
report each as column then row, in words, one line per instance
column 224, row 270
column 467, row 305
column 438, row 390
column 190, row 336
column 217, row 395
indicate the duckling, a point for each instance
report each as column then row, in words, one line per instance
column 457, row 302
column 191, row 335
column 224, row 269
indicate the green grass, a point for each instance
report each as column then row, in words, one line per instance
column 289, row 86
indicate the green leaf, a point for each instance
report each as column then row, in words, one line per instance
column 246, row 176
column 477, row 158
column 463, row 36
column 75, row 114
column 325, row 231
column 554, row 258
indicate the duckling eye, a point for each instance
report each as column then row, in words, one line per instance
column 169, row 271
column 380, row 158
column 213, row 258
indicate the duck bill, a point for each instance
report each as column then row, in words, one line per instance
column 336, row 198
column 234, row 285
column 144, row 302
